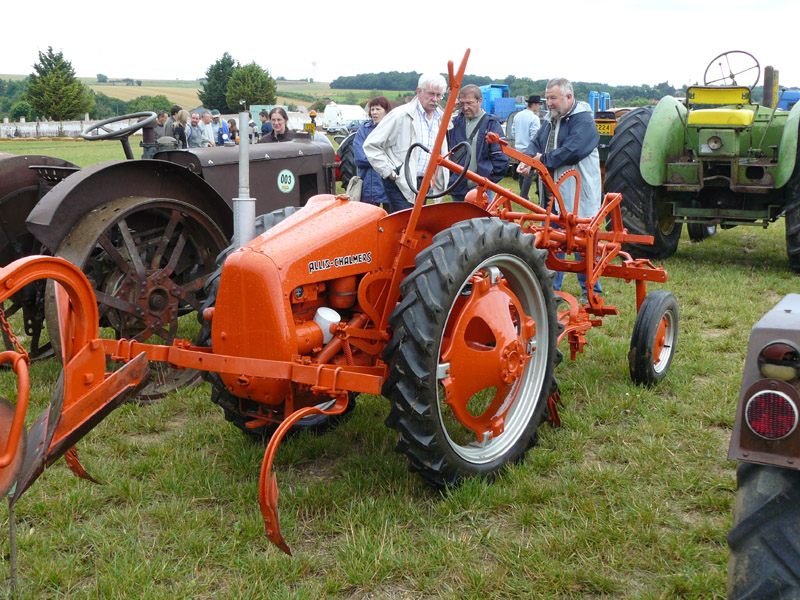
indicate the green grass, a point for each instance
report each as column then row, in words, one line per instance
column 631, row 498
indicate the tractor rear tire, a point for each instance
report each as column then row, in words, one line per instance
column 347, row 155
column 644, row 208
column 232, row 405
column 444, row 347
column 792, row 215
column 764, row 560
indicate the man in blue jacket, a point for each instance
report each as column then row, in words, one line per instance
column 472, row 124
column 566, row 140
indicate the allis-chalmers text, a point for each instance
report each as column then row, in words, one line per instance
column 339, row 261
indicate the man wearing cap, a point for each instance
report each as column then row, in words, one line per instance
column 219, row 128
column 523, row 130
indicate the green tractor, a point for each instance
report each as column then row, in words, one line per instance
column 713, row 158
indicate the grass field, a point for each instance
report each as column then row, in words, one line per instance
column 630, row 499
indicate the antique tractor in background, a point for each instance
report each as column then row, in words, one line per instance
column 447, row 310
column 145, row 232
column 711, row 159
column 764, row 541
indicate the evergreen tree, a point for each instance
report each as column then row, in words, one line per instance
column 53, row 90
column 216, row 83
column 252, row 84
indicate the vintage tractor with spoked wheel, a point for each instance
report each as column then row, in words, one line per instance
column 145, row 232
column 711, row 159
column 447, row 310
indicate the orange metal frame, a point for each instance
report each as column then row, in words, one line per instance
column 89, row 393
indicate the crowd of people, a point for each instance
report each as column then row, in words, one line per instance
column 565, row 139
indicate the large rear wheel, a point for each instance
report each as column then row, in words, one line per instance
column 148, row 260
column 792, row 215
column 645, row 209
column 764, row 560
column 473, row 352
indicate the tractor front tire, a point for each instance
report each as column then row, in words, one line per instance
column 655, row 335
column 457, row 355
column 764, row 560
column 644, row 208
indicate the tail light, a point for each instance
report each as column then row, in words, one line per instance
column 771, row 414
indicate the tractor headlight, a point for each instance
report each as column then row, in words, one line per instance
column 714, row 142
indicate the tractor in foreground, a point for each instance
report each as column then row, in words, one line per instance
column 447, row 310
column 712, row 159
column 764, row 561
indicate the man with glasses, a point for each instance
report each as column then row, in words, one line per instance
column 472, row 125
column 566, row 140
column 416, row 122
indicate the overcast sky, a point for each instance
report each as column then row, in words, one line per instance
column 622, row 42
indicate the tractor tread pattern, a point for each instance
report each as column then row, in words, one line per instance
column 411, row 384
column 764, row 542
column 638, row 208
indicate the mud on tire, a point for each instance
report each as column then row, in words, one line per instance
column 764, row 542
column 427, row 326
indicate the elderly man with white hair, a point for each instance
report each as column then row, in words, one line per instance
column 416, row 122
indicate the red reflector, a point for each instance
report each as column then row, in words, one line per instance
column 771, row 414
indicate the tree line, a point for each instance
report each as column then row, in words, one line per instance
column 622, row 95
column 53, row 91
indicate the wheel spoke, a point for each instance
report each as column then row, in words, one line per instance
column 174, row 218
column 107, row 245
column 176, row 253
column 133, row 251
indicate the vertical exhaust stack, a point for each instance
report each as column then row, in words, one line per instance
column 244, row 207
column 770, row 86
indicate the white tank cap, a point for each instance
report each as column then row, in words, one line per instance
column 325, row 317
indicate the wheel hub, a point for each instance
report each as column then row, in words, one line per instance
column 485, row 351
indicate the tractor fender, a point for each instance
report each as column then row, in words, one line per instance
column 787, row 150
column 663, row 140
column 66, row 204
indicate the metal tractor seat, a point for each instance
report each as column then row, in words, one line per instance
column 719, row 96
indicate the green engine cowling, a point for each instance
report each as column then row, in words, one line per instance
column 743, row 147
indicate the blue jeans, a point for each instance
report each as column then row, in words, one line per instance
column 559, row 278
column 397, row 201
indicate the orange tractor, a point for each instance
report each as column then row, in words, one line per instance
column 446, row 309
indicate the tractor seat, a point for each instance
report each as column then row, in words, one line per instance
column 721, row 116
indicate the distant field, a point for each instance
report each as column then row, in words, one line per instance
column 184, row 92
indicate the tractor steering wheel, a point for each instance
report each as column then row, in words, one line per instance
column 145, row 118
column 731, row 64
column 411, row 181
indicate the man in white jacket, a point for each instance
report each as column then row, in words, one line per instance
column 416, row 122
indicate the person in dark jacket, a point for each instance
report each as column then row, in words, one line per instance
column 567, row 140
column 280, row 131
column 372, row 187
column 472, row 124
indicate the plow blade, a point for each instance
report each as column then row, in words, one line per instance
column 40, row 452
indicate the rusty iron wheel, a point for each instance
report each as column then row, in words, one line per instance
column 473, row 352
column 654, row 338
column 148, row 260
